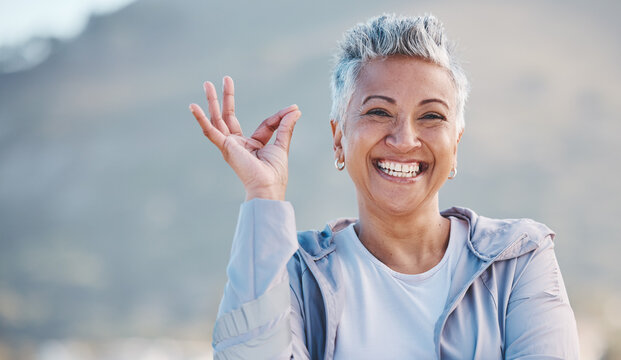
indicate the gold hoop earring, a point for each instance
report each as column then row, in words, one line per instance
column 339, row 165
column 453, row 173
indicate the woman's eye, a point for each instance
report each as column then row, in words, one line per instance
column 377, row 112
column 433, row 116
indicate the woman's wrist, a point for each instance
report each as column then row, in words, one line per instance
column 267, row 194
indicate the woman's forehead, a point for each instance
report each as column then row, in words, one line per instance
column 402, row 78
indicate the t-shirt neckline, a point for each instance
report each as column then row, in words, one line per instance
column 350, row 232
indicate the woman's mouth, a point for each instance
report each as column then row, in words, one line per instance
column 400, row 169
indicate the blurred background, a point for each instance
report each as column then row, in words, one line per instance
column 116, row 214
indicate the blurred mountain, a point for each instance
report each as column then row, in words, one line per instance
column 116, row 215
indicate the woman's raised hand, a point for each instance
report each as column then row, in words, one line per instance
column 261, row 166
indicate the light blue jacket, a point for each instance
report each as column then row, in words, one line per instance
column 507, row 299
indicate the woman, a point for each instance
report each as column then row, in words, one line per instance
column 404, row 280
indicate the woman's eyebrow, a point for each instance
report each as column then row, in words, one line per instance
column 393, row 101
column 386, row 98
column 427, row 101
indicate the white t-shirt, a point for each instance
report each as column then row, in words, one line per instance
column 390, row 315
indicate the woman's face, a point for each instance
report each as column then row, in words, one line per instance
column 399, row 136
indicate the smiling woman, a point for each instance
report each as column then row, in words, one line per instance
column 399, row 143
column 404, row 280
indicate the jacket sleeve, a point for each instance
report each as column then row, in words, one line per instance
column 255, row 315
column 540, row 323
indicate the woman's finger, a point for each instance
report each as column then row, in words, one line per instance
column 285, row 130
column 214, row 108
column 213, row 134
column 228, row 106
column 266, row 129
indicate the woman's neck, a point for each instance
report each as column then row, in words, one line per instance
column 409, row 243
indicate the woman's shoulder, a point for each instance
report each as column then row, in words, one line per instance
column 491, row 238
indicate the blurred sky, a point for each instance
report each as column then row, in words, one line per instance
column 27, row 27
column 21, row 20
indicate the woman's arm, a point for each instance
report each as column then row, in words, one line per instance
column 255, row 313
column 540, row 323
column 254, row 319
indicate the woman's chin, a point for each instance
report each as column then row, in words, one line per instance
column 396, row 203
column 399, row 199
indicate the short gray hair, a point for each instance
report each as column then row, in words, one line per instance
column 386, row 35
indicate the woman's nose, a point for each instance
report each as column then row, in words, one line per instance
column 404, row 137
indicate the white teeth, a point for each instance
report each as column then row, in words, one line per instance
column 398, row 169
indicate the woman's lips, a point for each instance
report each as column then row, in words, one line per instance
column 397, row 169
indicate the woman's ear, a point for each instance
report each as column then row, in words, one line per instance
column 337, row 136
column 461, row 132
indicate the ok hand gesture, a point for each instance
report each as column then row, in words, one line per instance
column 261, row 166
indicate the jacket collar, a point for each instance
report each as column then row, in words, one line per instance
column 500, row 239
